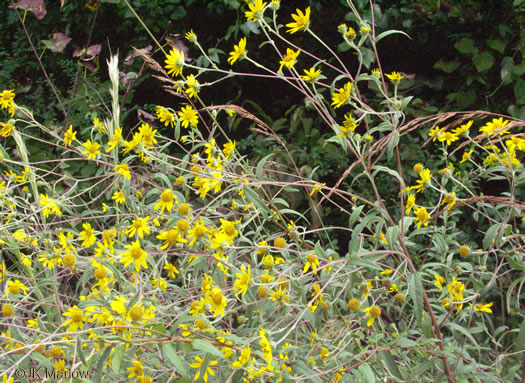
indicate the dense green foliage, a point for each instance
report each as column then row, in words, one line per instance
column 178, row 206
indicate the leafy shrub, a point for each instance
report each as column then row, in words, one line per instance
column 203, row 266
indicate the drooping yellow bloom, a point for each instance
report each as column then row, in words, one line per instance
column 133, row 144
column 439, row 281
column 411, row 201
column 91, row 149
column 217, row 301
column 244, row 358
column 422, row 182
column 198, row 364
column 495, row 127
column 243, row 281
column 266, row 347
column 324, row 353
column 311, row 74
column 198, row 231
column 256, row 10
column 435, row 132
column 484, row 308
column 515, row 143
column 6, row 129
column 373, row 312
column 135, row 255
column 16, row 286
column 450, row 200
column 49, row 205
column 172, row 270
column 455, row 288
column 6, row 101
column 170, row 237
column 448, row 137
column 229, row 147
column 463, row 128
column 191, row 36
column 349, row 124
column 87, row 235
column 139, row 226
column 193, row 86
column 316, row 188
column 289, row 59
column 136, row 370
column 174, row 62
column 239, row 51
column 466, row 156
column 119, row 197
column 422, row 216
column 342, row 95
column 148, row 135
column 117, row 138
column 188, row 116
column 76, row 319
column 166, row 201
column 123, row 169
column 395, row 77
column 312, row 262
column 165, row 116
column 302, row 21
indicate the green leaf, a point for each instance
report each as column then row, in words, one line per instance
column 519, row 344
column 391, row 364
column 178, row 13
column 367, row 373
column 101, row 361
column 251, row 196
column 464, row 331
column 116, row 359
column 465, row 98
column 304, row 370
column 42, row 360
column 464, row 45
column 170, row 353
column 248, row 27
column 388, row 33
column 483, row 61
column 405, row 342
column 421, row 369
column 207, row 347
column 392, row 143
column 516, row 265
column 343, row 47
column 379, row 168
column 415, row 291
column 497, row 45
column 446, row 66
column 80, row 352
column 368, row 57
column 356, row 213
column 362, row 261
column 426, row 326
column 260, row 166
column 490, row 235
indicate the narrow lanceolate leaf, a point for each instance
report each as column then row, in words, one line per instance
column 171, row 355
column 415, row 291
column 202, row 345
column 384, row 34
